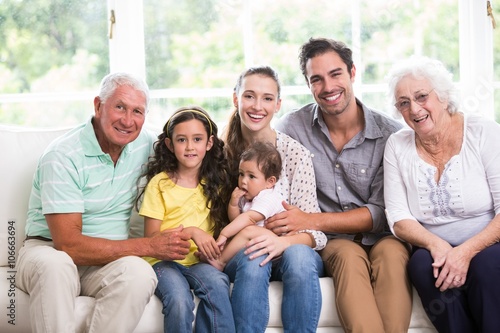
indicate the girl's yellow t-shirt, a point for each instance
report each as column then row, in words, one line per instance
column 175, row 205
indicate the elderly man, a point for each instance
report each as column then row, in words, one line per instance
column 78, row 219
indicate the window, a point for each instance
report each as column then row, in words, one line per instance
column 210, row 53
column 53, row 53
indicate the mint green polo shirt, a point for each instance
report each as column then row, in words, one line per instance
column 74, row 175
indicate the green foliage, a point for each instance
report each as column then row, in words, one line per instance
column 496, row 43
column 37, row 36
column 62, row 45
column 173, row 31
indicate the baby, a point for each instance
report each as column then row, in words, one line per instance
column 253, row 201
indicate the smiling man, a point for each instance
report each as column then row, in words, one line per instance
column 79, row 213
column 347, row 141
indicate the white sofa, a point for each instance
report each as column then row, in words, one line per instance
column 19, row 151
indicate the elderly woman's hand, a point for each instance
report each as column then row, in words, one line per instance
column 451, row 269
column 267, row 244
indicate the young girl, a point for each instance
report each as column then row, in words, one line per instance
column 252, row 201
column 185, row 179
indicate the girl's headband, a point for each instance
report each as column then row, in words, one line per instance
column 189, row 110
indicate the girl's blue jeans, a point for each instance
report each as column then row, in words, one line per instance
column 175, row 281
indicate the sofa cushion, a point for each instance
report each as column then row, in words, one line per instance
column 20, row 149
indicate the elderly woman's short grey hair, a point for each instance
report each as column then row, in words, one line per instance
column 432, row 70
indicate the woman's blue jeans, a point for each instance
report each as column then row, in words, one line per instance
column 299, row 268
column 214, row 313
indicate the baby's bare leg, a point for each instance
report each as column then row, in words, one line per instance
column 237, row 243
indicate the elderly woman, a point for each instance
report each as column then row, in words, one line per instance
column 442, row 195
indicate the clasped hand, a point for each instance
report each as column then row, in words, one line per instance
column 206, row 244
column 450, row 267
column 171, row 244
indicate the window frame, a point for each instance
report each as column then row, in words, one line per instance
column 127, row 53
column 475, row 44
column 476, row 58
